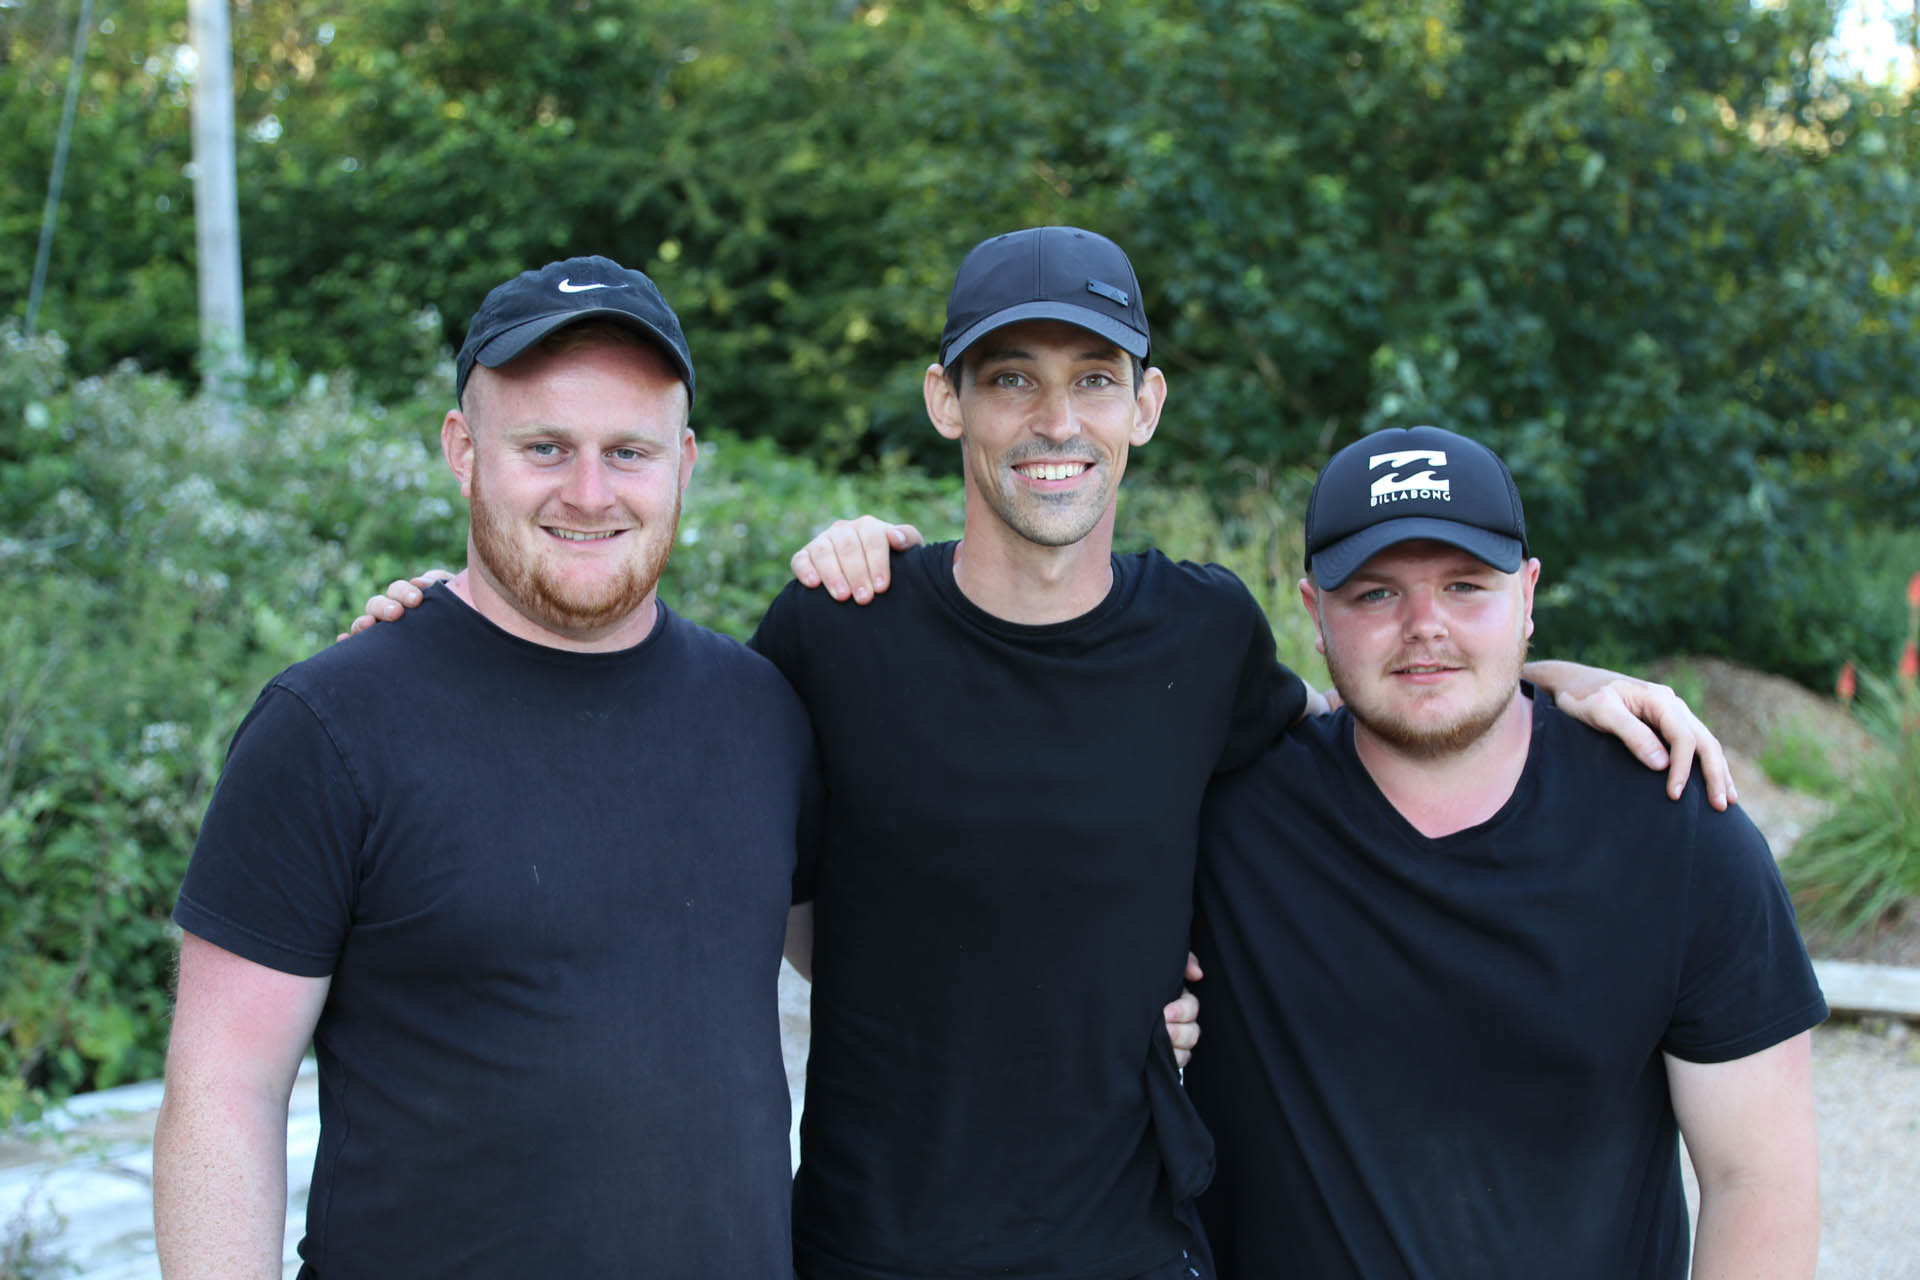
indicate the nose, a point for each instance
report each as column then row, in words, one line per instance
column 1054, row 417
column 586, row 487
column 1422, row 614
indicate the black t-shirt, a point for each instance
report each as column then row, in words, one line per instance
column 1003, row 902
column 1442, row 1057
column 551, row 890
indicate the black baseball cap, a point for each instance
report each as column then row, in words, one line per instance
column 1409, row 483
column 533, row 304
column 1045, row 273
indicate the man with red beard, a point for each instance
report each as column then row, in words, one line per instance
column 481, row 860
column 1466, row 963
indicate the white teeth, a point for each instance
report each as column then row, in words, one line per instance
column 571, row 535
column 1056, row 470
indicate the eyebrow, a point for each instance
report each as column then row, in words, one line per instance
column 553, row 431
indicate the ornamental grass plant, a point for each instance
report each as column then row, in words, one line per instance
column 1857, row 873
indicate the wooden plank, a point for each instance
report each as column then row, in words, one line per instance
column 1869, row 988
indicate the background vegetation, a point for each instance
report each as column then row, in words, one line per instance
column 1653, row 250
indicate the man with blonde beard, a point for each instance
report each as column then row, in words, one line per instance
column 482, row 860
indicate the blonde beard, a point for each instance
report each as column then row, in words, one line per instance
column 1422, row 741
column 537, row 597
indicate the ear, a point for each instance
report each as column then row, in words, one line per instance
column 943, row 402
column 1309, row 600
column 456, row 443
column 689, row 454
column 1529, row 576
column 1149, row 399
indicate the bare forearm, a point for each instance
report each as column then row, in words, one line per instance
column 1757, row 1232
column 220, row 1187
column 1553, row 675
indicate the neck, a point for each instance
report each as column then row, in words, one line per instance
column 487, row 600
column 1024, row 582
column 1439, row 795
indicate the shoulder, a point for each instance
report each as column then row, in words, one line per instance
column 724, row 656
column 718, row 665
column 1184, row 583
column 1583, row 768
column 801, row 615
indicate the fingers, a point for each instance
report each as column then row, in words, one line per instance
column 1609, row 712
column 821, row 563
column 1194, row 973
column 800, row 565
column 1715, row 771
column 851, row 559
column 432, row 576
column 1183, row 1025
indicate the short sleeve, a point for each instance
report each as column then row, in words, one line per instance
column 1746, row 982
column 777, row 638
column 1269, row 697
column 273, row 873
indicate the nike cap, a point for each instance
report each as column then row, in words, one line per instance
column 1045, row 273
column 533, row 304
column 1406, row 484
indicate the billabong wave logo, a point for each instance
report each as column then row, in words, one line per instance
column 1396, row 486
column 568, row 286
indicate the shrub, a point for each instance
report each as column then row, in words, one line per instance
column 1860, row 867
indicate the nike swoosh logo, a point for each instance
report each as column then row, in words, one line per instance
column 568, row 286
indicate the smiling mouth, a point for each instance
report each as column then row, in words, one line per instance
column 1051, row 470
column 576, row 535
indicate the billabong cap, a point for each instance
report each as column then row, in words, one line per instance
column 1045, row 273
column 1410, row 483
column 533, row 304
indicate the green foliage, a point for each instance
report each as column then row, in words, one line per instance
column 1654, row 253
column 1795, row 757
column 1861, row 864
column 751, row 506
column 151, row 577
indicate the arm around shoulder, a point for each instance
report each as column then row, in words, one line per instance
column 220, row 1148
column 1749, row 1127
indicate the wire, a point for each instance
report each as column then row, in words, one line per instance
column 51, row 215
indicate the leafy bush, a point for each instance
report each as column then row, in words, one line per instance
column 1860, row 867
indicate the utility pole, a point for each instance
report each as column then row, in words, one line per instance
column 216, row 209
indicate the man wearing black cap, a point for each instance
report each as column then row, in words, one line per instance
column 482, row 899
column 1016, row 741
column 1466, row 965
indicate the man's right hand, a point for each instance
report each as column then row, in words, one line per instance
column 391, row 605
column 850, row 558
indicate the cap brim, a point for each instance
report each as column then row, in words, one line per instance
column 1333, row 565
column 1124, row 336
column 509, row 343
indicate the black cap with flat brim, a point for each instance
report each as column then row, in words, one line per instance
column 527, row 308
column 1046, row 273
column 1412, row 484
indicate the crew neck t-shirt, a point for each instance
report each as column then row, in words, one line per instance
column 1438, row 1057
column 551, row 891
column 1002, row 910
